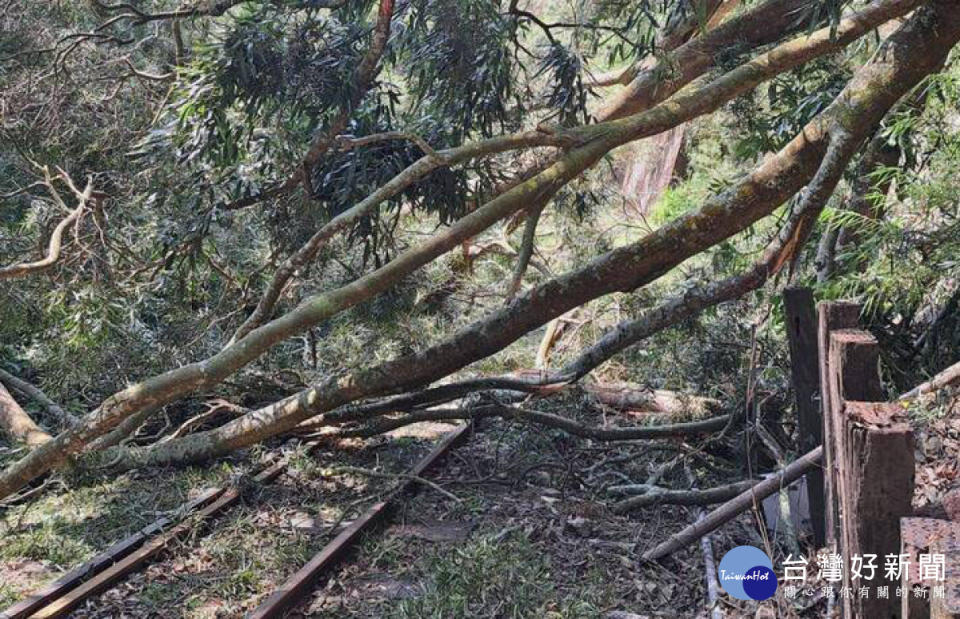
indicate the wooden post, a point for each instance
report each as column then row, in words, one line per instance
column 804, row 371
column 852, row 358
column 877, row 490
column 948, row 606
column 873, row 454
column 832, row 315
column 929, row 536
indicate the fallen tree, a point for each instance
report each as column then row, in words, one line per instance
column 826, row 144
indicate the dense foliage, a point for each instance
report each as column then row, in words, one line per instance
column 178, row 121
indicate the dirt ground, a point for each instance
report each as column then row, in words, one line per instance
column 530, row 532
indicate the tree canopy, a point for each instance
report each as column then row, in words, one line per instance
column 335, row 211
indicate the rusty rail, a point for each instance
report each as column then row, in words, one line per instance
column 300, row 584
column 102, row 571
column 128, row 555
column 99, row 563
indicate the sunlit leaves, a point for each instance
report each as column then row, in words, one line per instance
column 771, row 116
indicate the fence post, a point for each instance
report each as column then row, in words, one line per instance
column 948, row 606
column 920, row 536
column 832, row 315
column 873, row 449
column 801, row 319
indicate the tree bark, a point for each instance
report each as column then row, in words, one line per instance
column 17, row 423
column 627, row 397
column 906, row 58
column 527, row 246
column 734, row 507
column 861, row 105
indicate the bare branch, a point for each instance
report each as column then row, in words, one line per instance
column 946, row 378
column 17, row 423
column 650, row 496
column 737, row 505
column 354, row 470
column 349, row 142
column 33, row 392
column 56, row 238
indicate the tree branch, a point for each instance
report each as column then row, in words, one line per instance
column 651, row 496
column 32, row 392
column 703, row 295
column 748, row 499
column 56, row 238
column 946, row 378
column 205, row 8
column 363, row 78
column 17, row 423
column 925, row 40
column 676, row 33
column 526, row 252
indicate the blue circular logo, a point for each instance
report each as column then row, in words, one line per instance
column 746, row 573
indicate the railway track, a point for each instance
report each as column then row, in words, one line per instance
column 134, row 552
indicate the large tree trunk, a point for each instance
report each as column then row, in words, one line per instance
column 905, row 59
column 693, row 300
column 861, row 106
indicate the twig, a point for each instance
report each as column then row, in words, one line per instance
column 734, row 507
column 786, row 519
column 349, row 142
column 353, row 470
column 709, row 567
column 655, row 495
column 213, row 407
column 23, row 496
